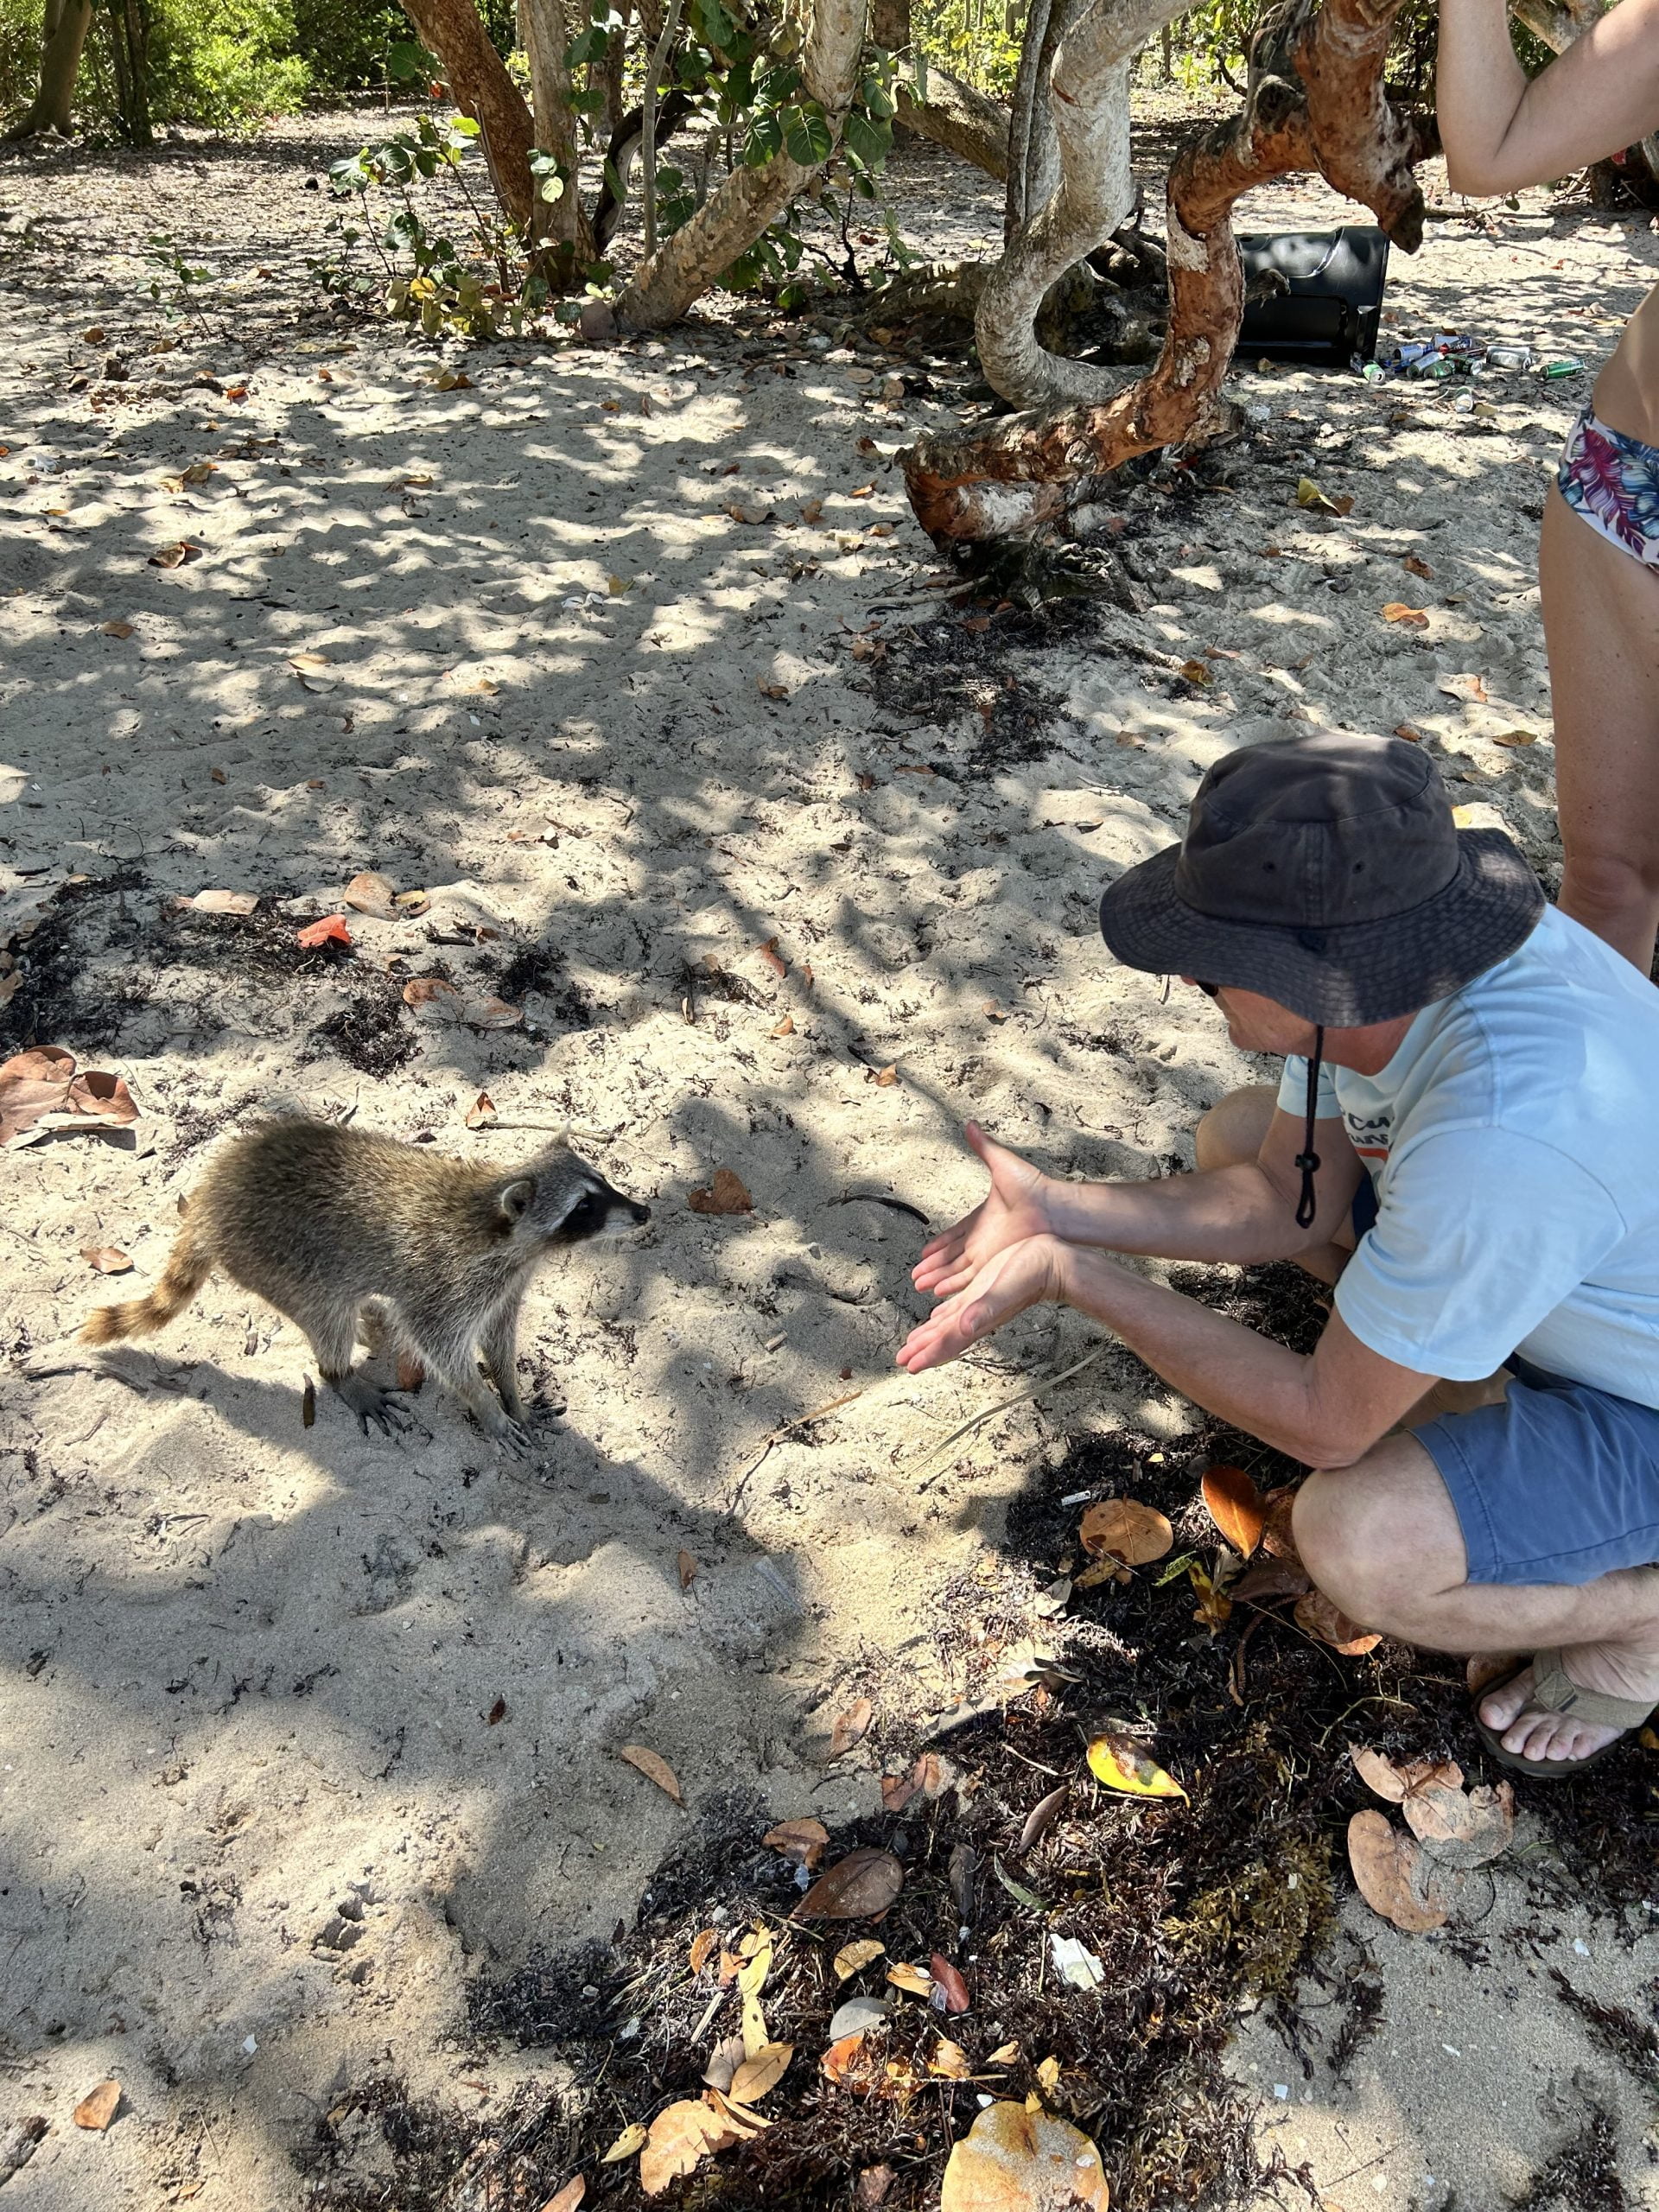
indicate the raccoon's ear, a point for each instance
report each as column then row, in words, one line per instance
column 514, row 1201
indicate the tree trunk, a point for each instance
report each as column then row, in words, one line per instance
column 478, row 79
column 63, row 33
column 953, row 115
column 749, row 200
column 1315, row 100
column 562, row 222
column 130, row 51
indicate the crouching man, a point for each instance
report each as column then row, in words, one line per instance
column 1462, row 1144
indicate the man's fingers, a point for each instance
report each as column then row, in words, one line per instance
column 946, row 1245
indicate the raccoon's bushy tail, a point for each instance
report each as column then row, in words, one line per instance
column 188, row 1265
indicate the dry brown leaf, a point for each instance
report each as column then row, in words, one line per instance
column 773, row 958
column 1470, row 688
column 174, row 555
column 742, row 2125
column 682, row 2136
column 1128, row 1530
column 773, row 690
column 568, row 2198
column 933, row 1774
column 703, row 1948
column 1412, row 617
column 40, row 1090
column 726, row 1194
column 756, row 2076
column 1042, row 1817
column 805, row 1841
column 116, row 629
column 947, row 1978
column 1197, row 672
column 914, row 1981
column 851, row 1957
column 950, row 2060
column 897, row 1790
column 723, row 2061
column 1012, row 2159
column 1235, row 1506
column 654, row 1767
column 1460, row 1828
column 886, row 1077
column 108, row 1259
column 496, row 1713
column 481, row 1112
column 222, row 902
column 851, row 1727
column 1410, row 731
column 371, row 893
column 785, row 1027
column 1269, row 1578
column 1316, row 1613
column 330, row 928
column 858, row 1887
column 1395, row 1779
column 1512, row 738
column 813, row 510
column 1417, row 567
column 1393, row 1875
column 687, row 1568
column 1277, row 1538
column 99, row 2106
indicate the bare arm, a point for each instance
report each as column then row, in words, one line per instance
column 1502, row 132
column 1326, row 1410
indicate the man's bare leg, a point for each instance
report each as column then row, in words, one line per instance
column 1233, row 1131
column 1381, row 1539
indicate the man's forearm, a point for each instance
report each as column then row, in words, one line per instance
column 1235, row 1214
column 1242, row 1378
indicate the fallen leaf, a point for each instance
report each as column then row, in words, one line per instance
column 886, row 1077
column 1129, row 1531
column 851, row 1727
column 687, row 1568
column 682, row 2136
column 723, row 2061
column 933, row 1774
column 174, row 555
column 1511, row 738
column 308, row 1404
column 785, row 1027
column 654, row 1768
column 40, row 1090
column 98, row 2107
column 568, row 2198
column 1393, row 1875
column 616, row 586
column 857, row 1887
column 1462, row 1828
column 1395, row 1779
column 371, row 893
column 805, row 1841
column 1470, row 688
column 1412, row 734
column 116, row 629
column 497, row 1714
column 851, row 1957
column 1012, row 2159
column 330, row 930
column 1197, row 672
column 756, row 2076
column 773, row 958
column 897, row 1790
column 217, row 776
column 725, row 1195
column 703, row 1948
column 1308, row 494
column 108, row 1259
column 773, row 690
column 1049, row 2075
column 950, row 2060
column 813, row 510
column 949, row 1980
column 914, row 1981
column 481, row 1112
column 434, row 998
column 864, row 491
column 1120, row 1763
column 1418, row 568
column 1042, row 1817
column 1235, row 1506
column 1398, row 610
column 850, row 2066
column 1329, row 1624
column 1278, row 1537
column 238, row 391
column 222, row 902
column 452, row 380
column 1214, row 1607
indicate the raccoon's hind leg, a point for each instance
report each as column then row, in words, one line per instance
column 334, row 1339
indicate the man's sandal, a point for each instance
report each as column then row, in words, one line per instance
column 1554, row 1690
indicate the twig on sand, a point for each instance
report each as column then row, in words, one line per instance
column 801, row 1420
column 1043, row 1383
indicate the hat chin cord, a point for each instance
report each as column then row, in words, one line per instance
column 1308, row 1160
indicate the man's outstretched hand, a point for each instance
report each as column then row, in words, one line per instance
column 1014, row 1209
column 1021, row 1274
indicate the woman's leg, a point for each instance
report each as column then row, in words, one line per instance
column 1601, row 625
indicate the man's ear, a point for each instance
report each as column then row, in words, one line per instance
column 514, row 1201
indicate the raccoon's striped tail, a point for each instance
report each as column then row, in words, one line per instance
column 188, row 1265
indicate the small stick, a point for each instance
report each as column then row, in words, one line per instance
column 1043, row 1382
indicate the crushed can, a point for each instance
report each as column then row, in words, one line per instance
column 1508, row 356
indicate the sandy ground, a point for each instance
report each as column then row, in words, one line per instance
column 259, row 1820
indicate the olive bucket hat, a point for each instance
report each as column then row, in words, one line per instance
column 1325, row 873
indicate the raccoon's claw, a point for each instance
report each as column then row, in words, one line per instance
column 370, row 1403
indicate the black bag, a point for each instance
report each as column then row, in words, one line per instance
column 1328, row 313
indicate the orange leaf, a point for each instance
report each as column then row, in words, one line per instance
column 1417, row 567
column 1017, row 2160
column 1129, row 1531
column 851, row 1727
column 654, row 1768
column 773, row 958
column 682, row 2136
column 1394, row 1876
column 1235, row 1506
column 805, row 1841
column 688, row 1570
column 99, row 2106
column 1398, row 610
column 331, row 929
column 568, row 2198
column 726, row 1194
column 1316, row 1613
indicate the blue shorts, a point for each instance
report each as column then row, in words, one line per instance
column 1559, row 1484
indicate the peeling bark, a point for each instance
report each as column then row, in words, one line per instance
column 478, row 78
column 734, row 216
column 1314, row 100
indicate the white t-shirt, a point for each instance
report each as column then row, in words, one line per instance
column 1512, row 1144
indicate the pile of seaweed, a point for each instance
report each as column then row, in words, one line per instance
column 1193, row 1909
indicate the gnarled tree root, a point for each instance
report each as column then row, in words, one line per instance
column 1314, row 100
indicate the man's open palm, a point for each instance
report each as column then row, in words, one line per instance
column 1014, row 1208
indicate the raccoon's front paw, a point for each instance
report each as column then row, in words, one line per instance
column 371, row 1403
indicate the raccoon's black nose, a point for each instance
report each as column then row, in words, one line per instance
column 641, row 1214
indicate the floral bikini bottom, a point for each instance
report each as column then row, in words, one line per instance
column 1612, row 482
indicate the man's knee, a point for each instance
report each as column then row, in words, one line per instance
column 1379, row 1536
column 1236, row 1127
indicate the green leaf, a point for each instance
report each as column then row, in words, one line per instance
column 808, row 138
column 867, row 139
column 1017, row 1890
column 463, row 126
column 765, row 139
column 1176, row 1567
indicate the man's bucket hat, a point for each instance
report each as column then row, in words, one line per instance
column 1326, row 873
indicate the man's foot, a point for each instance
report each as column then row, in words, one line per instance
column 1536, row 1734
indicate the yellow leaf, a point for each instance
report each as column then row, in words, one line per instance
column 682, row 2136
column 616, row 586
column 632, row 2139
column 1019, row 2157
column 950, row 2060
column 1004, row 2055
column 756, row 2076
column 1197, row 671
column 852, row 1956
column 1120, row 1763
column 916, row 1980
column 1049, row 2075
column 1308, row 494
